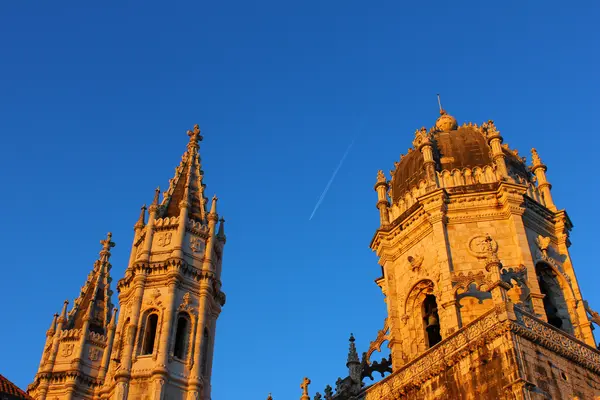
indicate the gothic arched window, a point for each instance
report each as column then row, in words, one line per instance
column 181, row 336
column 150, row 334
column 431, row 321
column 555, row 304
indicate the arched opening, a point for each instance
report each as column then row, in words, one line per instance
column 205, row 340
column 181, row 337
column 431, row 321
column 150, row 334
column 555, row 304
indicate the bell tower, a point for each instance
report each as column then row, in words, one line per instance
column 171, row 296
column 481, row 292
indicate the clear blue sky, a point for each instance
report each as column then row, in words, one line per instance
column 95, row 102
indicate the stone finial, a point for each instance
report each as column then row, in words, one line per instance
column 328, row 392
column 304, row 387
column 318, row 396
column 269, row 397
column 156, row 196
column 213, row 206
column 107, row 244
column 194, row 134
column 422, row 137
column 535, row 158
column 221, row 232
column 381, row 177
column 52, row 330
column 63, row 314
column 352, row 354
column 141, row 222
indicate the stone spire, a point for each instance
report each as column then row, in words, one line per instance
column 221, row 233
column 187, row 187
column 353, row 362
column 94, row 301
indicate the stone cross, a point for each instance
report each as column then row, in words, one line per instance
column 304, row 386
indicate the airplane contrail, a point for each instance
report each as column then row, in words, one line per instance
column 331, row 180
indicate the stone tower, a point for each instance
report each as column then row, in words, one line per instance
column 481, row 294
column 469, row 237
column 170, row 299
column 78, row 343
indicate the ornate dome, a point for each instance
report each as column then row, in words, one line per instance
column 455, row 148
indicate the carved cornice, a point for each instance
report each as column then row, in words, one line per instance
column 488, row 327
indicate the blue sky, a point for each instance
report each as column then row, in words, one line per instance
column 95, row 101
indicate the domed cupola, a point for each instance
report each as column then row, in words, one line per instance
column 449, row 156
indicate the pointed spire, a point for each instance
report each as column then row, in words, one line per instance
column 52, row 330
column 63, row 314
column 213, row 206
column 94, row 303
column 156, row 196
column 221, row 232
column 269, row 397
column 141, row 222
column 352, row 354
column 535, row 158
column 187, row 184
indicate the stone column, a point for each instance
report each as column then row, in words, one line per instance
column 381, row 187
column 495, row 143
column 161, row 371
column 109, row 345
column 124, row 374
column 195, row 383
column 539, row 169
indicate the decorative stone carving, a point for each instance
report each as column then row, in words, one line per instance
column 196, row 244
column 594, row 316
column 165, row 239
column 154, row 299
column 94, row 354
column 415, row 262
column 376, row 344
column 67, row 349
column 482, row 246
column 543, row 243
column 421, row 138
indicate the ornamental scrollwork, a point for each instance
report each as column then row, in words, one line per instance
column 382, row 336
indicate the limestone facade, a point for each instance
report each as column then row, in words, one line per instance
column 481, row 294
column 170, row 299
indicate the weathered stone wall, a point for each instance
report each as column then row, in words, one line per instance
column 554, row 376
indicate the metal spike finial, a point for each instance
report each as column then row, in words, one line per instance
column 442, row 111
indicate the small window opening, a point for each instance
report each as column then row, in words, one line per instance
column 181, row 337
column 150, row 334
column 431, row 320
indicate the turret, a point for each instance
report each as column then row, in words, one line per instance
column 381, row 187
column 539, row 169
